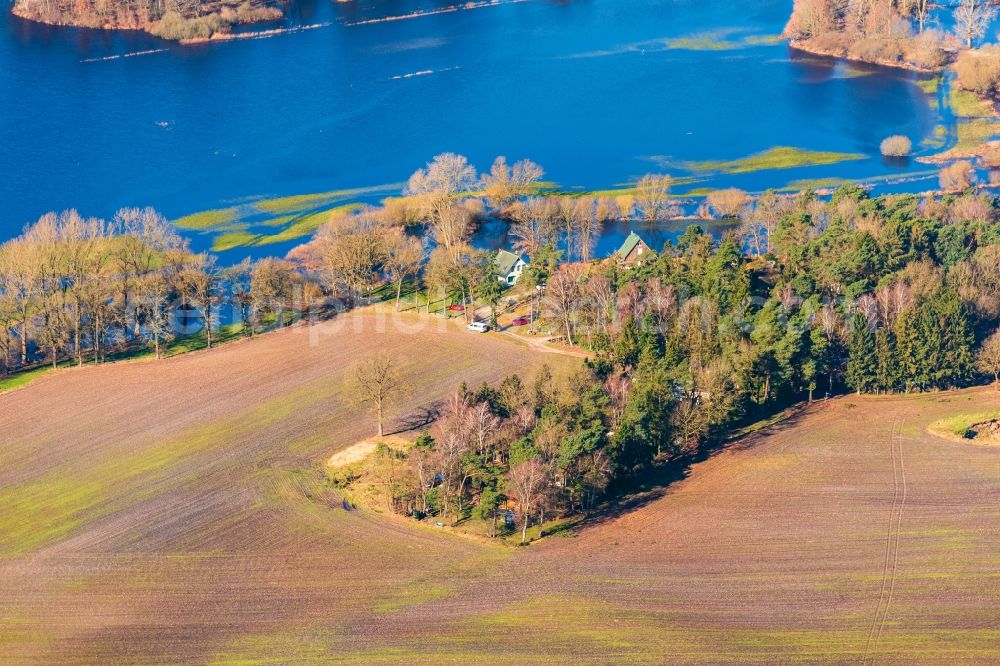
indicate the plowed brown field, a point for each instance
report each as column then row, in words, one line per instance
column 175, row 512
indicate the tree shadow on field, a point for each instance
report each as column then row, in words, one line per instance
column 418, row 420
column 743, row 440
column 635, row 492
column 654, row 484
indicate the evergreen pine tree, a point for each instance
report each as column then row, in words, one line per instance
column 887, row 359
column 862, row 367
column 956, row 340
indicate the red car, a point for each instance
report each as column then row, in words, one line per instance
column 521, row 321
column 456, row 308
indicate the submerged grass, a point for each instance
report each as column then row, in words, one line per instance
column 300, row 203
column 972, row 133
column 929, row 86
column 232, row 240
column 207, row 219
column 976, row 121
column 779, row 157
column 720, row 40
column 305, row 225
column 705, row 41
column 276, row 220
column 968, row 105
column 804, row 184
column 937, row 139
column 763, row 40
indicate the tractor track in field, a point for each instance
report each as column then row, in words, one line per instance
column 890, row 564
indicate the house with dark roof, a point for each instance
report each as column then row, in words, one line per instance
column 509, row 267
column 634, row 250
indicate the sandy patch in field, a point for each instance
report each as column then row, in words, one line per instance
column 352, row 454
column 358, row 452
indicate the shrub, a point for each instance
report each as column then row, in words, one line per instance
column 990, row 155
column 896, row 146
column 925, row 51
column 979, row 70
column 876, row 50
column 248, row 13
column 834, row 43
column 957, row 177
column 175, row 27
column 727, row 203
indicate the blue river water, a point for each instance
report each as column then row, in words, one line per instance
column 597, row 91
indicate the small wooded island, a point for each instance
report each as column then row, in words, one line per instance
column 170, row 19
column 894, row 33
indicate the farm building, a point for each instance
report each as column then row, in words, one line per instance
column 634, row 250
column 509, row 267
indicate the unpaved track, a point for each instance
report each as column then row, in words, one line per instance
column 198, row 529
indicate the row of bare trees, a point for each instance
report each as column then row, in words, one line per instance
column 75, row 287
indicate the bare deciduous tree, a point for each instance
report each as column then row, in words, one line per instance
column 562, row 297
column 727, row 203
column 504, row 184
column 972, row 18
column 527, row 481
column 957, row 177
column 652, row 195
column 403, row 257
column 272, row 286
column 378, row 382
column 588, row 226
column 452, row 226
column 918, row 9
column 446, row 175
column 534, row 225
column 353, row 249
column 988, row 359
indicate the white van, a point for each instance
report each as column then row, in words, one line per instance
column 478, row 327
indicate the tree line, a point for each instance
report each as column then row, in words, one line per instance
column 82, row 288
